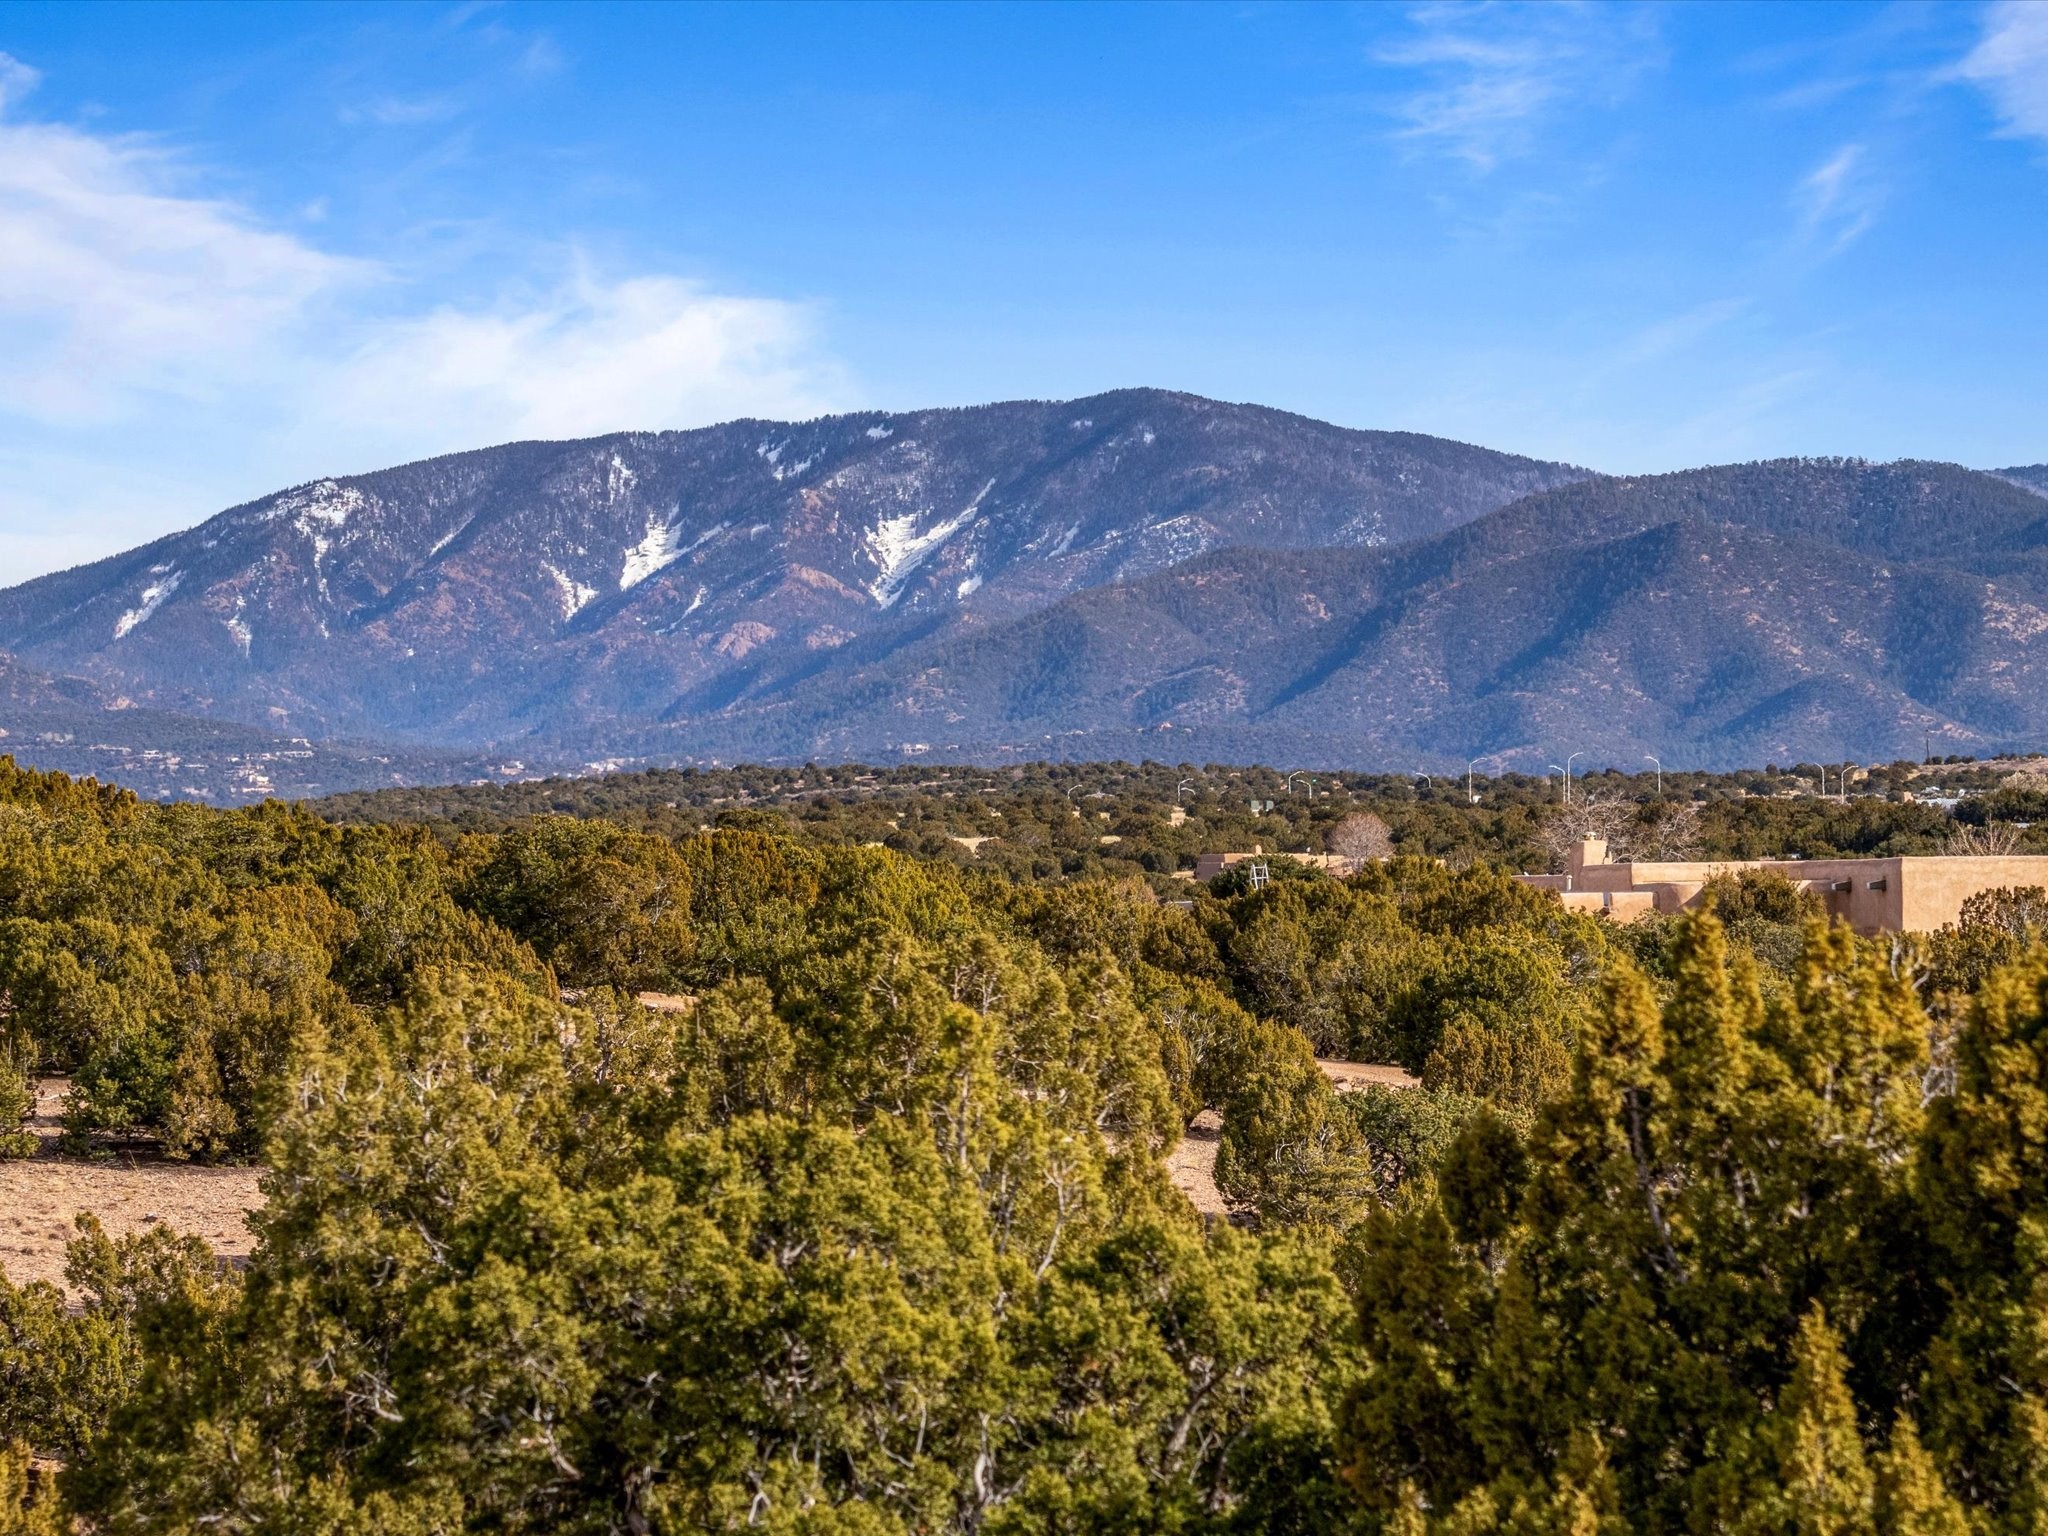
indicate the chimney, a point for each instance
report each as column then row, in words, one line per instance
column 1590, row 851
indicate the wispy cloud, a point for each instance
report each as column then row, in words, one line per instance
column 16, row 80
column 1677, row 333
column 135, row 313
column 2010, row 64
column 1498, row 73
column 112, row 285
column 1838, row 200
column 401, row 111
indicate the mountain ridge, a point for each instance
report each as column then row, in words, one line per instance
column 618, row 577
column 1099, row 577
column 1679, row 614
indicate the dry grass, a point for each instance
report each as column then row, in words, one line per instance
column 41, row 1198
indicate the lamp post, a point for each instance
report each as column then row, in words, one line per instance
column 1564, row 788
column 1660, row 774
column 1299, row 773
column 1568, row 775
column 1470, row 797
column 1182, row 788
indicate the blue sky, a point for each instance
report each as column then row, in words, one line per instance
column 245, row 246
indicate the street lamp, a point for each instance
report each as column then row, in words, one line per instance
column 1568, row 774
column 1299, row 773
column 1470, row 797
column 1182, row 788
column 1660, row 774
column 1564, row 788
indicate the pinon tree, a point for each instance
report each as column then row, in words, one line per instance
column 1621, row 1314
column 874, row 1240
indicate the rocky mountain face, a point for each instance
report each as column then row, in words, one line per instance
column 1138, row 574
column 1817, row 610
column 559, row 590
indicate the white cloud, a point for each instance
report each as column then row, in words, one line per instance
column 588, row 358
column 2010, row 63
column 151, row 335
column 1498, row 72
column 113, row 287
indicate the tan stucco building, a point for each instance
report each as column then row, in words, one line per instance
column 1873, row 895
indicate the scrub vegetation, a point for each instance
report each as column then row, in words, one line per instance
column 686, row 1166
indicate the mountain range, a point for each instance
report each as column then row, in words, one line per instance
column 1136, row 574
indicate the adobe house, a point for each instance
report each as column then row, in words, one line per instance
column 1872, row 895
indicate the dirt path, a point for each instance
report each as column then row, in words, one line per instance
column 1191, row 1165
column 40, row 1198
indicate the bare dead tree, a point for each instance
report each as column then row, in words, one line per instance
column 1590, row 817
column 1993, row 840
column 1361, row 838
column 1669, row 829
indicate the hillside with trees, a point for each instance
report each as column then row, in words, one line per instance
column 623, row 1175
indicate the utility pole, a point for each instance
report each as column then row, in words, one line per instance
column 1660, row 774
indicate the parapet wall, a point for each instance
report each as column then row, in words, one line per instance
column 1871, row 895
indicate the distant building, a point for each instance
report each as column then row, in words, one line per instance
column 1872, row 895
column 1209, row 865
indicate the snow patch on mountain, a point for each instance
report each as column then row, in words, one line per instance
column 325, row 504
column 450, row 536
column 882, row 431
column 772, row 453
column 575, row 595
column 899, row 549
column 619, row 481
column 968, row 588
column 152, row 598
column 661, row 547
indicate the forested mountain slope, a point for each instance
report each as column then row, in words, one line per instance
column 1135, row 574
column 2032, row 476
column 1823, row 609
column 561, row 587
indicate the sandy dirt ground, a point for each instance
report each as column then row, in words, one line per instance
column 1192, row 1164
column 1350, row 1076
column 40, row 1197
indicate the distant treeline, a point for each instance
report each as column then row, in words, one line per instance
column 1150, row 820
